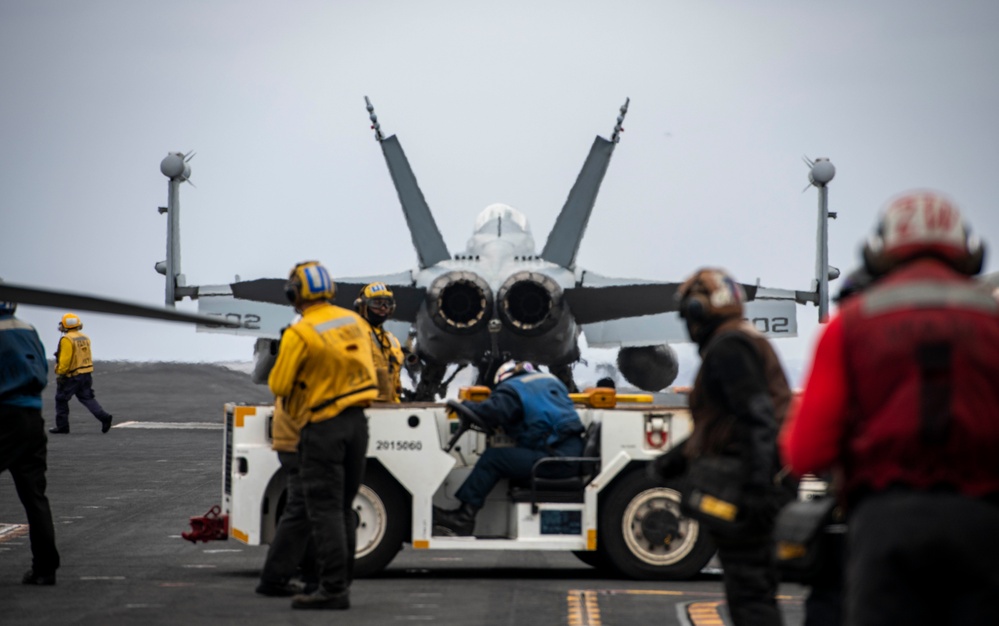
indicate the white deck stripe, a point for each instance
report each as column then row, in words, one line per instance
column 171, row 425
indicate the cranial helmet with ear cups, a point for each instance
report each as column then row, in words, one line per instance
column 375, row 302
column 710, row 293
column 309, row 281
column 70, row 321
column 922, row 223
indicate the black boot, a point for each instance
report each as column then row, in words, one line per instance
column 457, row 523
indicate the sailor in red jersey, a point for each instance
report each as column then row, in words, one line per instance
column 902, row 398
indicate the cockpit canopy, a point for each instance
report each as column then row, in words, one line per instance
column 500, row 224
column 496, row 219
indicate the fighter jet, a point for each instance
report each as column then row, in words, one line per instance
column 500, row 298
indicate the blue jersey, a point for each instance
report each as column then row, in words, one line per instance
column 534, row 408
column 23, row 368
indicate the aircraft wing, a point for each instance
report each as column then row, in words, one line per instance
column 271, row 290
column 37, row 296
column 772, row 311
column 601, row 298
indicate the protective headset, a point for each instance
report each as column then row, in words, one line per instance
column 693, row 307
column 371, row 292
column 922, row 223
column 309, row 280
column 878, row 262
column 710, row 293
column 70, row 321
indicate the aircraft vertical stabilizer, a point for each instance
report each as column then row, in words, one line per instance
column 565, row 237
column 427, row 239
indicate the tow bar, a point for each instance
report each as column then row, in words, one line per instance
column 208, row 527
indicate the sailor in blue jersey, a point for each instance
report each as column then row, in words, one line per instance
column 534, row 409
column 23, row 444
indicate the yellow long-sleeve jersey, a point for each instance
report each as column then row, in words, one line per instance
column 73, row 355
column 386, row 351
column 324, row 365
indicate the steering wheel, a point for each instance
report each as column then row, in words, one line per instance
column 467, row 419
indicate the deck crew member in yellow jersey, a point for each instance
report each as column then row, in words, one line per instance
column 375, row 304
column 324, row 377
column 74, row 368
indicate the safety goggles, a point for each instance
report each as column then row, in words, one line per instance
column 381, row 305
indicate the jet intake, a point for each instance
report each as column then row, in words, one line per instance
column 650, row 368
column 459, row 302
column 530, row 303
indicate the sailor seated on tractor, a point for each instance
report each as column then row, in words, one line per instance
column 535, row 410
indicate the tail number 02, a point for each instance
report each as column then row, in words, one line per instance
column 772, row 325
column 247, row 320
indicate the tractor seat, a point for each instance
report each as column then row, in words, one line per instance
column 568, row 489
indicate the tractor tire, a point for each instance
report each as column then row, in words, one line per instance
column 382, row 513
column 643, row 534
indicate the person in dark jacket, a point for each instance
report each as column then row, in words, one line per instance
column 738, row 399
column 901, row 396
column 535, row 409
column 23, row 444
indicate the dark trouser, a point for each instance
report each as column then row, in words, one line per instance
column 293, row 544
column 918, row 558
column 824, row 605
column 81, row 386
column 749, row 572
column 23, row 452
column 332, row 454
column 499, row 463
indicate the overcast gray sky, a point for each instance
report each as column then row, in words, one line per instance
column 493, row 102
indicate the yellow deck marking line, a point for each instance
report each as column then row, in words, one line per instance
column 582, row 608
column 705, row 614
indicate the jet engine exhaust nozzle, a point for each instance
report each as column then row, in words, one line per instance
column 460, row 302
column 530, row 303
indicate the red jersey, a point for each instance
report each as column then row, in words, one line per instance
column 903, row 387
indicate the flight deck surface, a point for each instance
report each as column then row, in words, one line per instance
column 121, row 500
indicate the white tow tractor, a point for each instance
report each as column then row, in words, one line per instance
column 611, row 515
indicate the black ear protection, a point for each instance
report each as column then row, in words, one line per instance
column 975, row 261
column 873, row 255
column 291, row 289
column 693, row 307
